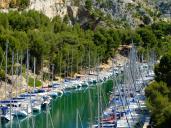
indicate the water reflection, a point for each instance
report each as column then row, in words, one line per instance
column 76, row 107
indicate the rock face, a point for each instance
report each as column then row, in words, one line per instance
column 4, row 3
column 131, row 12
column 53, row 8
column 164, row 7
column 50, row 8
column 126, row 10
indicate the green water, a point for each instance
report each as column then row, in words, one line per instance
column 76, row 106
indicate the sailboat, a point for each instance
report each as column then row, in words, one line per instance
column 5, row 111
column 5, row 114
column 128, row 97
column 20, row 108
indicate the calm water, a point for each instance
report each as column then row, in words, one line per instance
column 65, row 110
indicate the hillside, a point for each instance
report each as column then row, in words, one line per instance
column 115, row 13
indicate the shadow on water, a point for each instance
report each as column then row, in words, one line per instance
column 63, row 111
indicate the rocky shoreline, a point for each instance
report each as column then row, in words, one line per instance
column 20, row 87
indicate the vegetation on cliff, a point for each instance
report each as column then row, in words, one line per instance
column 72, row 48
column 20, row 4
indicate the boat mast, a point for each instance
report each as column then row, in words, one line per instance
column 42, row 70
column 21, row 72
column 33, row 123
column 71, row 62
column 10, row 93
column 77, row 119
column 96, row 62
column 47, row 111
column 12, row 70
column 60, row 67
column 77, row 65
column 114, row 84
column 122, row 102
column 17, row 76
column 98, row 93
column 68, row 65
column 27, row 81
column 34, row 73
column 32, row 117
column 27, row 75
column 52, row 73
column 126, row 91
column 91, row 105
column 6, row 70
column 89, row 62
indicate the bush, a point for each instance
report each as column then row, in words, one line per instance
column 88, row 4
column 163, row 70
column 2, row 74
column 158, row 102
column 37, row 82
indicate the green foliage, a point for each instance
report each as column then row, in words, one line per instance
column 27, row 20
column 4, row 20
column 2, row 74
column 21, row 4
column 108, row 39
column 158, row 101
column 88, row 4
column 49, row 39
column 66, row 19
column 160, row 87
column 72, row 48
column 146, row 20
column 159, row 93
column 37, row 82
column 148, row 37
column 163, row 69
column 1, row 54
column 22, row 39
column 161, row 29
column 13, row 45
column 76, row 2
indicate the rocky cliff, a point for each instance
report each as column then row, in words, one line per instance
column 51, row 8
column 129, row 12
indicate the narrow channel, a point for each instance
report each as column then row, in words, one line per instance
column 76, row 108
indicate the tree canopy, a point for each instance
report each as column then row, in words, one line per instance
column 163, row 69
column 159, row 94
column 72, row 47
